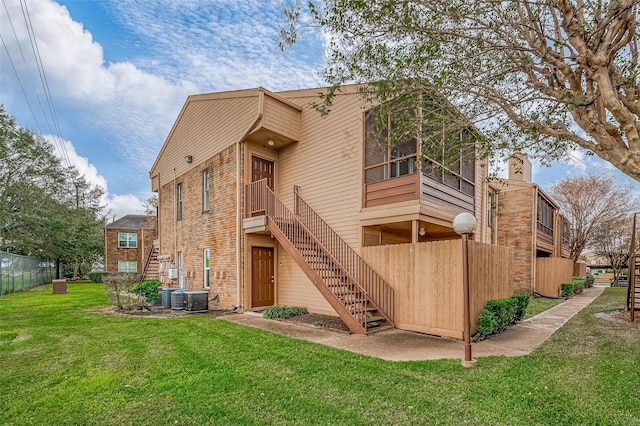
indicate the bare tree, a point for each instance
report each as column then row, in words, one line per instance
column 612, row 240
column 539, row 75
column 589, row 202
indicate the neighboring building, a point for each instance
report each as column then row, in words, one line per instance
column 529, row 221
column 329, row 185
column 128, row 243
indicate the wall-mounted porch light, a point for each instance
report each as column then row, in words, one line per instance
column 422, row 231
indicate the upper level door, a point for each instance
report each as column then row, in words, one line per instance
column 262, row 169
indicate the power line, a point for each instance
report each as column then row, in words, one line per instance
column 43, row 80
column 56, row 132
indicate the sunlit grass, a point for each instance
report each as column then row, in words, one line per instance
column 64, row 362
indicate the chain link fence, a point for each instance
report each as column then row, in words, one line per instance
column 18, row 273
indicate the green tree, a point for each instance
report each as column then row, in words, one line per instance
column 542, row 76
column 46, row 210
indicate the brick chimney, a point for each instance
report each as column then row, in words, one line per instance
column 519, row 167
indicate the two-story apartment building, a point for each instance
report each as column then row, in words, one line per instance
column 127, row 243
column 263, row 200
column 528, row 220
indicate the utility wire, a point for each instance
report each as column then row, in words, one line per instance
column 43, row 79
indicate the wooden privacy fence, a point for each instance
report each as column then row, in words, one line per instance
column 427, row 280
column 550, row 273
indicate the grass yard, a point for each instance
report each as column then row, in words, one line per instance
column 62, row 362
column 540, row 304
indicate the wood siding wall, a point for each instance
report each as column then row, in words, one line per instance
column 550, row 273
column 326, row 164
column 427, row 279
column 281, row 118
column 203, row 129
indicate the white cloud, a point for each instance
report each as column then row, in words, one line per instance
column 115, row 205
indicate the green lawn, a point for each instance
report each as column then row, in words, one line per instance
column 61, row 362
column 540, row 304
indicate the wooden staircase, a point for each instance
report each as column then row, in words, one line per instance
column 634, row 283
column 359, row 295
column 150, row 271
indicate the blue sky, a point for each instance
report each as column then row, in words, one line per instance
column 119, row 71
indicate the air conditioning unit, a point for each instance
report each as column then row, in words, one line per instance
column 166, row 296
column 196, row 301
column 172, row 273
column 177, row 299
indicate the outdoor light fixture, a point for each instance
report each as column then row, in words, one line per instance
column 421, row 231
column 464, row 224
column 188, row 158
column 270, row 142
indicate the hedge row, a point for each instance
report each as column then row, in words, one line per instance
column 498, row 314
column 576, row 286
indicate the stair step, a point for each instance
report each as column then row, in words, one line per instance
column 379, row 328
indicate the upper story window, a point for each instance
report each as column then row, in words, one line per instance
column 127, row 240
column 451, row 161
column 566, row 231
column 205, row 190
column 386, row 158
column 545, row 216
column 402, row 139
column 179, row 201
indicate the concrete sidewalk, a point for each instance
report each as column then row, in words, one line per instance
column 400, row 345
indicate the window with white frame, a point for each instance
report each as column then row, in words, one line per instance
column 207, row 266
column 205, row 190
column 127, row 266
column 127, row 240
column 179, row 201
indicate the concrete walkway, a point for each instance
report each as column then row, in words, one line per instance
column 400, row 345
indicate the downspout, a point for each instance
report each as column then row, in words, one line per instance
column 175, row 221
column 239, row 254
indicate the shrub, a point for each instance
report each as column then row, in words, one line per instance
column 522, row 301
column 117, row 285
column 148, row 289
column 566, row 290
column 589, row 281
column 283, row 312
column 505, row 311
column 96, row 277
column 499, row 314
column 487, row 325
column 578, row 287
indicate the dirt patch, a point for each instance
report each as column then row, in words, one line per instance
column 320, row 321
column 154, row 312
column 619, row 316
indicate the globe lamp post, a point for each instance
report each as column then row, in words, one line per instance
column 464, row 224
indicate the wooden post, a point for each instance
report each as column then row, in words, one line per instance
column 468, row 359
column 631, row 283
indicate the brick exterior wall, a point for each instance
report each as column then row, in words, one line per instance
column 214, row 229
column 114, row 253
column 515, row 229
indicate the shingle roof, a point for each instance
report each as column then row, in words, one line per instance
column 133, row 221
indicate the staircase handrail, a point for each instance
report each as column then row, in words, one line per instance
column 274, row 208
column 374, row 285
column 149, row 255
